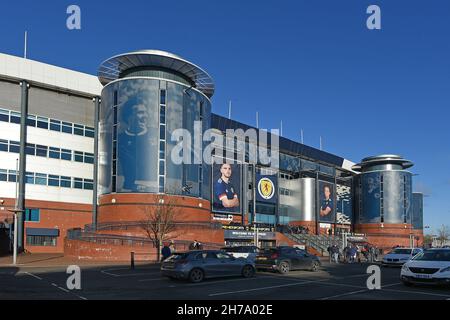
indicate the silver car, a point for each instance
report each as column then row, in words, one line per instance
column 201, row 264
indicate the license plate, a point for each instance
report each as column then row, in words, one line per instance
column 262, row 258
column 423, row 276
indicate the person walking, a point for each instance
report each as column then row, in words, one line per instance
column 165, row 252
column 330, row 254
column 335, row 252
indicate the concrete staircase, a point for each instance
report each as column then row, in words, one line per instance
column 320, row 243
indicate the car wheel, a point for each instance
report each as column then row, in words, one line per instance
column 284, row 267
column 314, row 266
column 248, row 271
column 196, row 275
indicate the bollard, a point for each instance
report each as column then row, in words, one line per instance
column 132, row 259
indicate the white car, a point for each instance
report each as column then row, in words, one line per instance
column 399, row 256
column 432, row 266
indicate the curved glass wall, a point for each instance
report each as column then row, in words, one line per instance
column 137, row 118
column 384, row 197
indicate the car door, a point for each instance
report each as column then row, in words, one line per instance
column 228, row 264
column 291, row 254
column 211, row 264
column 304, row 259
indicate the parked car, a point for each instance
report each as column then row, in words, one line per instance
column 284, row 259
column 432, row 266
column 246, row 252
column 201, row 264
column 399, row 256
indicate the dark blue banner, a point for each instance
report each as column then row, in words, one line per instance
column 266, row 188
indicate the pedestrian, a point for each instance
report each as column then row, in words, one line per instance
column 335, row 252
column 172, row 246
column 330, row 254
column 165, row 252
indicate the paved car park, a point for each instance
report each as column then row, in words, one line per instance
column 343, row 281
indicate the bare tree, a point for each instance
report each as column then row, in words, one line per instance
column 159, row 222
column 443, row 234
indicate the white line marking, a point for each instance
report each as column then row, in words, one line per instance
column 82, row 297
column 54, row 284
column 63, row 289
column 263, row 288
column 33, row 275
column 343, row 294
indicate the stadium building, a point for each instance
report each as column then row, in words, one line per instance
column 87, row 162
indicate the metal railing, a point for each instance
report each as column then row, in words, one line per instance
column 128, row 225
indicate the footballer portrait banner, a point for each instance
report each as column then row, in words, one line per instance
column 226, row 188
column 327, row 208
column 266, row 188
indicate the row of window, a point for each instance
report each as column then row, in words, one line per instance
column 47, row 152
column 286, row 192
column 48, row 124
column 48, row 241
column 162, row 140
column 45, row 179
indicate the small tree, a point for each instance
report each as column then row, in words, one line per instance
column 443, row 234
column 159, row 222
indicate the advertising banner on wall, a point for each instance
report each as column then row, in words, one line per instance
column 226, row 188
column 326, row 202
column 266, row 188
column 344, row 210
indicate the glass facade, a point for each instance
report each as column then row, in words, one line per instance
column 137, row 119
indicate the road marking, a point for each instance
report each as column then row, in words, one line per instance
column 343, row 294
column 259, row 289
column 126, row 275
column 33, row 275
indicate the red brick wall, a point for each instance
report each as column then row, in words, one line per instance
column 130, row 207
column 387, row 235
column 54, row 215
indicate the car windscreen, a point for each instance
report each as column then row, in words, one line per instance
column 401, row 251
column 433, row 255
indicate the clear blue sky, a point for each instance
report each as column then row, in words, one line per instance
column 312, row 64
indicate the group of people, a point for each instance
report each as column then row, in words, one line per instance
column 169, row 248
column 353, row 253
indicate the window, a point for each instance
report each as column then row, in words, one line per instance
column 78, row 183
column 41, row 151
column 14, row 146
column 29, row 177
column 32, row 215
column 42, row 122
column 89, row 132
column 12, row 175
column 163, row 97
column 55, row 125
column 15, row 117
column 162, row 114
column 88, row 157
column 48, row 241
column 53, row 180
column 161, row 184
column 3, row 175
column 67, row 127
column 78, row 129
column 41, row 179
column 66, row 182
column 54, row 153
column 88, row 184
column 161, row 167
column 162, row 132
column 78, row 156
column 31, row 121
column 66, row 154
column 4, row 115
column 30, row 149
column 3, row 145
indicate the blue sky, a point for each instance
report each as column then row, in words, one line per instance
column 312, row 64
